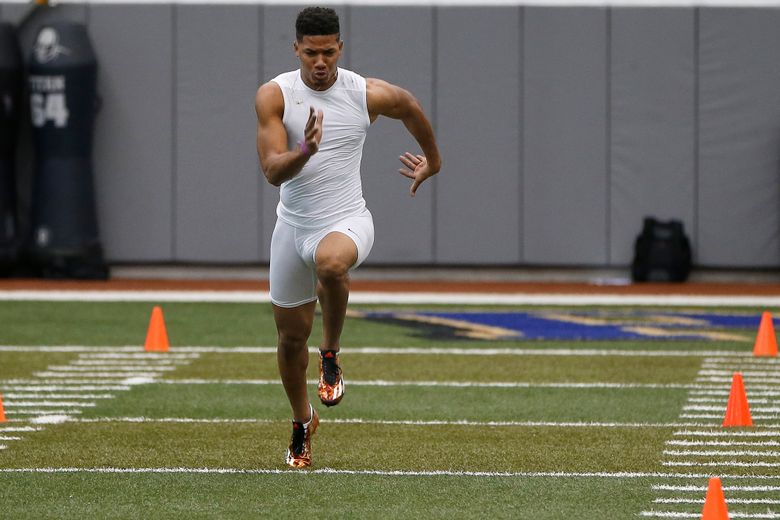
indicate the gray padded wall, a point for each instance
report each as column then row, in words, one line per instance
column 133, row 131
column 652, row 123
column 560, row 127
column 216, row 194
column 478, row 120
column 403, row 225
column 739, row 184
column 565, row 136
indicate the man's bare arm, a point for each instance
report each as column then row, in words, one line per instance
column 385, row 99
column 277, row 162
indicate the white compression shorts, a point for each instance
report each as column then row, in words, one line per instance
column 293, row 276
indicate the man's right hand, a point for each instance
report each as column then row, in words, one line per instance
column 312, row 133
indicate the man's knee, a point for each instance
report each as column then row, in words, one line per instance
column 332, row 269
column 336, row 254
column 294, row 340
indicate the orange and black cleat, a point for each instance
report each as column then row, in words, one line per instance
column 331, row 386
column 299, row 451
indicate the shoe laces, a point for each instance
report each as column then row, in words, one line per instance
column 330, row 368
column 298, row 443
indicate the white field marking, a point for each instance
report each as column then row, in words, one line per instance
column 96, row 375
column 139, row 356
column 50, row 419
column 44, row 404
column 723, row 400
column 62, row 388
column 400, row 351
column 57, row 396
column 9, row 438
column 716, row 416
column 3, row 446
column 450, row 384
column 388, row 473
column 524, row 424
column 128, row 362
column 742, row 501
column 83, row 360
column 729, row 433
column 708, row 408
column 721, row 443
column 110, row 368
column 740, row 366
column 745, row 373
column 726, row 453
column 671, row 487
column 758, row 360
column 42, row 412
column 720, row 416
column 405, row 298
column 99, row 384
column 725, row 393
column 18, row 429
column 729, row 463
column 712, row 379
column 732, row 514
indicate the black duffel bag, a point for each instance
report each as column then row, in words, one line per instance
column 662, row 252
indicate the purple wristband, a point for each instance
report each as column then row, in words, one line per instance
column 304, row 149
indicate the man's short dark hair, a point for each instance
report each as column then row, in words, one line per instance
column 316, row 21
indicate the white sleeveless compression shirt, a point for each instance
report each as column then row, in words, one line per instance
column 328, row 187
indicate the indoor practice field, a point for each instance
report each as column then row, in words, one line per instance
column 536, row 412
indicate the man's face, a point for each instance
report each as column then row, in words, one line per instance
column 319, row 56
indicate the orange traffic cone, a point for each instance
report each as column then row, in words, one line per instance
column 2, row 411
column 737, row 409
column 156, row 336
column 715, row 503
column 766, row 341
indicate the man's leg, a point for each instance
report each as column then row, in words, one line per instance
column 293, row 326
column 336, row 254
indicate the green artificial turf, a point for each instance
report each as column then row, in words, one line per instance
column 576, row 435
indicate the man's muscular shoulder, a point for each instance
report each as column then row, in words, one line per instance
column 269, row 99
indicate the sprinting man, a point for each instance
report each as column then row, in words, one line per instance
column 311, row 126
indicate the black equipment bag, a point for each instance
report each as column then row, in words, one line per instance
column 662, row 252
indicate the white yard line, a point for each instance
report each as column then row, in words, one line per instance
column 745, row 373
column 722, row 432
column 110, row 368
column 524, row 424
column 49, row 395
column 724, row 453
column 32, row 404
column 449, row 384
column 701, row 489
column 367, row 297
column 711, row 408
column 43, row 412
column 720, row 416
column 732, row 514
column 389, row 473
column 30, row 385
column 721, row 443
column 437, row 351
column 97, row 375
column 18, row 429
column 722, row 464
column 743, row 501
